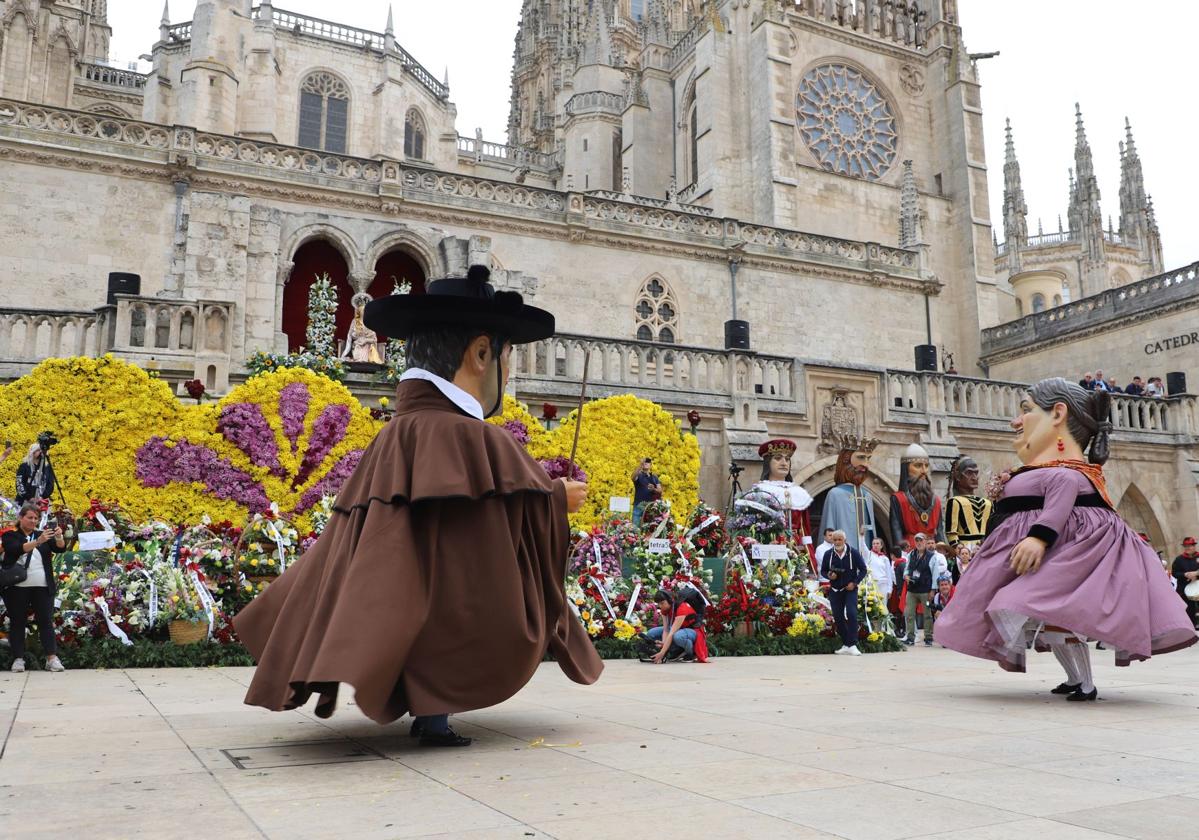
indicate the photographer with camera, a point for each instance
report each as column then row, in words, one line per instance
column 35, row 476
column 27, row 580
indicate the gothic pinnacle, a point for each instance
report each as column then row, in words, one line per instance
column 390, row 30
column 166, row 13
column 1130, row 147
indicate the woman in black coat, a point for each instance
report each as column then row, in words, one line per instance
column 26, row 546
column 35, row 477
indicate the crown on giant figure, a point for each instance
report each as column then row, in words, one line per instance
column 772, row 447
column 853, row 443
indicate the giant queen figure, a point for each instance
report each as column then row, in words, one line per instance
column 848, row 507
column 915, row 509
column 776, row 480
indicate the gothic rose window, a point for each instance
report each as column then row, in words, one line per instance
column 656, row 313
column 846, row 122
column 324, row 113
column 414, row 135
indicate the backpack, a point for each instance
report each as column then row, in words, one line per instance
column 688, row 594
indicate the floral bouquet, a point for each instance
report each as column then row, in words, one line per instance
column 602, row 604
column 100, row 512
column 559, row 467
column 807, row 625
column 993, row 489
column 659, row 569
column 656, row 518
column 319, row 516
column 758, row 515
column 706, row 531
column 598, row 548
column 95, row 597
column 154, row 537
column 268, row 545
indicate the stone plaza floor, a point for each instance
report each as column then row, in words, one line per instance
column 924, row 743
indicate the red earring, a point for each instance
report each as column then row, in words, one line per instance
column 1061, row 444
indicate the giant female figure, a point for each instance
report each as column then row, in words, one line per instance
column 1060, row 567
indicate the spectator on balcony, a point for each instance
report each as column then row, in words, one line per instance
column 1135, row 388
column 1155, row 387
column 1087, row 382
column 1113, row 387
column 1099, row 383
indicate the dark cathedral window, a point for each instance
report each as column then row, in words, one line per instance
column 414, row 135
column 324, row 113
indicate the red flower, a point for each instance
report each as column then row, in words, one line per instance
column 195, row 388
column 549, row 411
column 693, row 418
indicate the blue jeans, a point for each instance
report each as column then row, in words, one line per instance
column 845, row 614
column 684, row 637
column 638, row 512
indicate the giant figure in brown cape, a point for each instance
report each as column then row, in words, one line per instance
column 438, row 584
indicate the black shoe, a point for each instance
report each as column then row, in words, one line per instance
column 1066, row 688
column 1100, row 646
column 418, row 729
column 928, row 642
column 687, row 657
column 909, row 642
column 1080, row 696
column 449, row 738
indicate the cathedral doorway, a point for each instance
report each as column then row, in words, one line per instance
column 395, row 267
column 313, row 259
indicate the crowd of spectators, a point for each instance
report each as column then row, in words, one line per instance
column 1136, row 388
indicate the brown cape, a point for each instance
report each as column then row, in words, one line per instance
column 437, row 585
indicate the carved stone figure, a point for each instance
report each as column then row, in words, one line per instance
column 838, row 420
column 362, row 344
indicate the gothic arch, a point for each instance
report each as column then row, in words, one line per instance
column 1139, row 513
column 422, row 251
column 1120, row 277
column 689, row 131
column 330, row 86
column 108, row 110
column 894, row 172
column 656, row 312
column 416, row 134
column 817, row 479
column 336, row 237
column 20, row 7
column 62, row 33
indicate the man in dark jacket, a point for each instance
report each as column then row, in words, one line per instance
column 844, row 568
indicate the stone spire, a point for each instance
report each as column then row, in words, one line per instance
column 597, row 45
column 909, row 209
column 1086, row 219
column 1134, row 201
column 164, row 25
column 656, row 23
column 1015, row 211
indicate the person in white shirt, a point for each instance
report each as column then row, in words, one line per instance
column 881, row 570
column 824, row 546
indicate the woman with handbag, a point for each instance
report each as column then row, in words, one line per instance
column 27, row 580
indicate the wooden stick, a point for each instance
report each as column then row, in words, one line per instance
column 579, row 418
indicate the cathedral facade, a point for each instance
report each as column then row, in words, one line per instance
column 753, row 208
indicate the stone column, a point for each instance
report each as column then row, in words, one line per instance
column 281, row 277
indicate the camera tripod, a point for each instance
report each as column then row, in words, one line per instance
column 57, row 484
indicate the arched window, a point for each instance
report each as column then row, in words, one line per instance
column 657, row 312
column 1057, row 300
column 414, row 135
column 693, row 141
column 1038, row 302
column 324, row 113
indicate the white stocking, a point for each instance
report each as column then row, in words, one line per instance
column 1062, row 654
column 1080, row 654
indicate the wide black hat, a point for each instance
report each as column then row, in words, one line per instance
column 469, row 301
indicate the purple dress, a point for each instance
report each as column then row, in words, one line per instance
column 1098, row 579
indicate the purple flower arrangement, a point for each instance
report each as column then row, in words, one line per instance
column 518, row 431
column 584, row 554
column 161, row 461
column 560, row 467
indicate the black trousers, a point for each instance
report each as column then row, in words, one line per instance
column 845, row 614
column 17, row 601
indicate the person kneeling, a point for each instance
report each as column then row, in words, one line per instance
column 845, row 569
column 681, row 636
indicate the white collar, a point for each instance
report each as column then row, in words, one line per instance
column 452, row 392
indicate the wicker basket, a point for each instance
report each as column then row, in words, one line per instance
column 260, row 579
column 187, row 632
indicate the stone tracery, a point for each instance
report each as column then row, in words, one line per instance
column 846, row 122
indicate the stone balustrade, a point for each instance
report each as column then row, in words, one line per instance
column 991, row 405
column 664, row 372
column 28, row 336
column 481, row 150
column 1132, row 299
column 898, row 22
column 1061, row 237
column 595, row 102
column 102, row 74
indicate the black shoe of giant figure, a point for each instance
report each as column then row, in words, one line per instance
column 449, row 738
column 1080, row 696
column 1066, row 688
column 418, row 729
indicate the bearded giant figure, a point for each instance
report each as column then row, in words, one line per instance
column 915, row 509
column 967, row 513
column 848, row 507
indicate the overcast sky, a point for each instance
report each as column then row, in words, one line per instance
column 1113, row 57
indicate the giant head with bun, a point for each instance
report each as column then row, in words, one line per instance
column 1060, row 420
